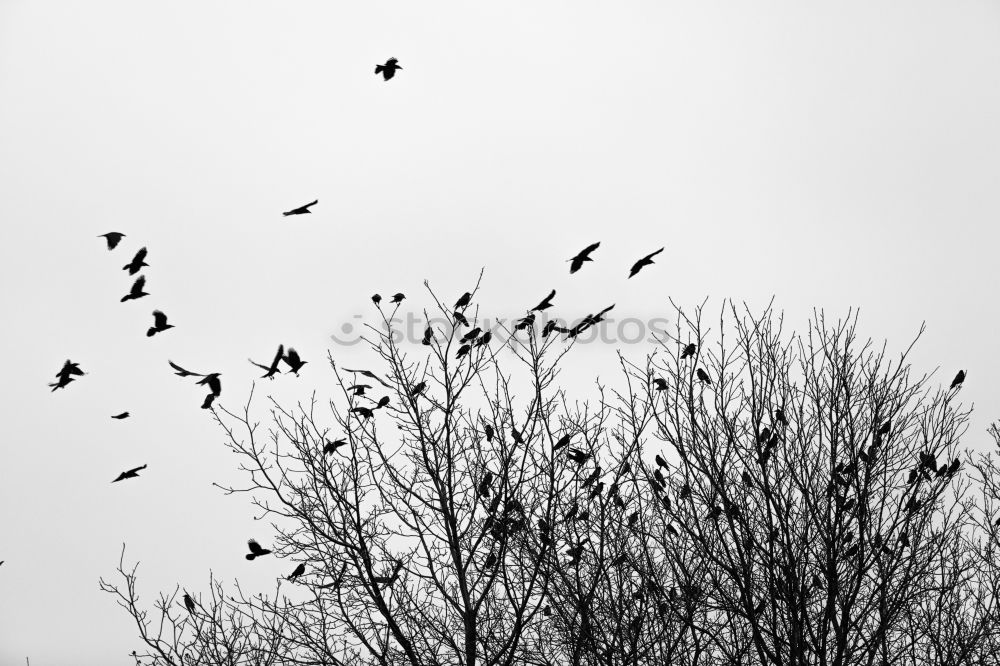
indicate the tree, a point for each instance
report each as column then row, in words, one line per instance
column 744, row 498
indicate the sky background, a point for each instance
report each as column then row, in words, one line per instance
column 827, row 155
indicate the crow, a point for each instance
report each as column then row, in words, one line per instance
column 113, row 238
column 376, row 299
column 213, row 382
column 123, row 415
column 333, row 446
column 645, row 261
column 548, row 328
column 516, row 436
column 703, row 376
column 485, row 339
column 382, row 402
column 365, row 412
column 779, row 416
column 130, row 474
column 579, row 456
column 207, row 403
column 189, row 603
column 159, row 324
column 369, row 374
column 561, row 443
column 488, row 429
column 584, row 255
column 418, row 389
column 463, row 350
column 428, row 336
column 661, row 384
column 660, row 462
column 256, row 550
column 525, row 322
column 472, row 335
column 181, row 372
column 483, row 489
column 689, row 351
column 546, row 302
column 138, row 261
column 388, row 70
column 301, row 210
column 136, row 291
column 398, row 297
column 959, row 378
column 460, row 318
column 463, row 301
column 298, row 571
column 291, row 357
column 273, row 368
column 66, row 374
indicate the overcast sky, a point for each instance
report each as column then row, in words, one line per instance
column 828, row 154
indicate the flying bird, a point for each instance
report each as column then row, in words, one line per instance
column 398, row 297
column 138, row 261
column 546, row 302
column 388, row 70
column 330, row 447
column 359, row 389
column 181, row 372
column 130, row 474
column 299, row 570
column 661, row 384
column 136, row 291
column 295, row 363
column 584, row 255
column 123, row 415
column 645, row 261
column 256, row 550
column 159, row 324
column 272, row 369
column 365, row 412
column 301, row 210
column 959, row 378
column 113, row 238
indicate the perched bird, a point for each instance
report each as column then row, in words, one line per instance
column 189, row 603
column 959, row 378
column 330, row 447
column 213, row 383
column 660, row 462
column 130, row 474
column 661, row 384
column 485, row 339
column 181, row 372
column 548, row 328
column 299, row 570
column 273, row 368
column 689, row 350
column 488, row 429
column 546, row 302
column 113, row 238
column 207, row 402
column 491, row 559
column 123, row 415
column 159, row 324
column 460, row 318
column 301, row 210
column 388, row 70
column 138, row 261
column 463, row 350
column 398, row 297
column 428, row 336
column 382, row 402
column 295, row 363
column 417, row 389
column 376, row 299
column 561, row 443
column 645, row 261
column 256, row 550
column 136, row 291
column 584, row 255
column 516, row 436
column 579, row 456
column 463, row 301
column 484, row 485
column 472, row 335
column 525, row 322
column 703, row 376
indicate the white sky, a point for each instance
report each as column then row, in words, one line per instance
column 829, row 154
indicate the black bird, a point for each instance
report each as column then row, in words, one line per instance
column 207, row 403
column 66, row 374
column 488, row 429
column 472, row 335
column 123, row 415
column 365, row 412
column 484, row 485
column 299, row 570
column 779, row 416
column 463, row 301
column 428, row 336
column 138, row 261
column 382, row 402
column 359, row 389
column 136, row 291
column 388, row 70
column 491, row 559
column 463, row 350
column 295, row 363
column 563, row 442
column 369, row 374
column 661, row 384
column 959, row 378
column 376, row 299
column 130, row 474
column 689, row 350
column 189, row 603
column 485, row 339
column 181, row 372
column 579, row 456
column 460, row 318
column 256, row 550
column 660, row 462
column 525, row 322
column 703, row 376
column 159, row 324
column 398, row 297
column 516, row 436
column 333, row 446
column 113, row 238
column 577, row 262
column 645, row 261
column 272, row 369
column 213, row 383
column 417, row 389
column 885, row 429
column 301, row 210
column 546, row 302
column 548, row 328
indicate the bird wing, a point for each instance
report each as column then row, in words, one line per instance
column 590, row 248
column 139, row 283
column 139, row 256
column 308, row 205
column 649, row 257
column 182, row 372
column 159, row 319
column 292, row 357
column 277, row 358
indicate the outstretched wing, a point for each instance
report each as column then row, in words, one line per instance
column 181, row 372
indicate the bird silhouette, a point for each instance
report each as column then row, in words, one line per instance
column 463, row 350
column 579, row 456
column 546, row 302
column 463, row 301
column 330, row 447
column 398, row 297
column 703, row 377
column 369, row 374
column 689, row 351
column 365, row 412
column 113, row 238
column 417, row 389
column 273, row 368
column 525, row 322
column 159, row 324
column 301, row 210
column 213, row 383
column 391, row 578
column 376, row 299
column 561, row 443
column 189, row 603
column 130, row 474
column 516, row 436
column 491, row 559
column 138, row 261
column 460, row 318
column 472, row 335
column 660, row 462
column 291, row 358
column 298, row 571
column 590, row 320
column 66, row 374
column 256, row 550
column 207, row 402
column 181, row 372
column 661, row 384
column 382, row 402
column 959, row 378
column 645, row 261
column 428, row 336
column 136, row 291
column 483, row 489
column 779, row 416
column 488, row 429
column 584, row 255
column 359, row 389
column 123, row 415
column 484, row 339
column 388, row 70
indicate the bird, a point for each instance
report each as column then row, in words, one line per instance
column 398, row 297
column 301, row 210
column 113, row 238
column 483, row 489
column 463, row 301
column 388, row 70
column 689, row 350
column 472, row 335
column 417, row 389
column 485, row 339
column 382, row 402
column 516, row 436
column 779, row 416
column 365, row 412
column 645, row 261
column 213, row 382
column 460, row 318
column 660, row 462
column 391, row 578
column 291, row 357
column 123, row 415
column 159, row 324
column 561, row 443
column 138, row 261
column 298, row 571
column 207, row 402
column 136, row 291
column 428, row 336
column 189, row 603
column 359, row 389
column 661, row 384
column 525, row 322
column 376, row 299
column 369, row 374
column 488, row 429
column 959, row 378
column 546, row 302
column 462, row 351
column 130, row 474
column 256, row 550
column 584, row 255
column 66, row 374
column 273, row 368
column 579, row 456
column 491, row 559
column 703, row 376
column 333, row 446
column 181, row 372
